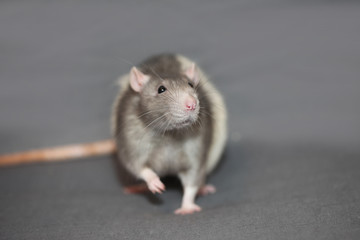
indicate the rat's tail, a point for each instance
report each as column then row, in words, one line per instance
column 59, row 153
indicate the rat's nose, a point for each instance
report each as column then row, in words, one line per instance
column 190, row 103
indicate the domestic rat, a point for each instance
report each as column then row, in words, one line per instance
column 168, row 119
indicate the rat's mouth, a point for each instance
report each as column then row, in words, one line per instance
column 185, row 123
column 182, row 120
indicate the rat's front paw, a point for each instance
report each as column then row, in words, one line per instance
column 155, row 185
column 207, row 189
column 189, row 209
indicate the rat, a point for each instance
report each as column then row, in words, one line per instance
column 167, row 119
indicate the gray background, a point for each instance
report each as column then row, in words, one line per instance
column 289, row 71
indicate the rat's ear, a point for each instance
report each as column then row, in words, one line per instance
column 137, row 79
column 192, row 73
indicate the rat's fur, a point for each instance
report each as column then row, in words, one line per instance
column 156, row 137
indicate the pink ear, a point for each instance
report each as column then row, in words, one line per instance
column 137, row 79
column 192, row 73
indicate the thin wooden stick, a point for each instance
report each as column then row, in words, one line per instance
column 60, row 153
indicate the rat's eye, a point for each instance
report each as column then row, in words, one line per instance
column 190, row 84
column 161, row 89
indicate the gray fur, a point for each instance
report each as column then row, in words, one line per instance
column 165, row 146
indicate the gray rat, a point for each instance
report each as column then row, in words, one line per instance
column 168, row 119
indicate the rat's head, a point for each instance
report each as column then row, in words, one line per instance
column 167, row 103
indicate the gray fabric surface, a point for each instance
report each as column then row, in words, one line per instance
column 289, row 71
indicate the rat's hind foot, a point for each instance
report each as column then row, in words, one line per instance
column 206, row 189
column 137, row 188
column 189, row 209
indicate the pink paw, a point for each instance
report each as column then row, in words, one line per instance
column 156, row 186
column 188, row 209
column 138, row 188
column 207, row 189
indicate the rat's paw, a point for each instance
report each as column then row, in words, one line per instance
column 156, row 186
column 206, row 189
column 138, row 188
column 188, row 209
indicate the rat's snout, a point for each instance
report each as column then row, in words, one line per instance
column 190, row 103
